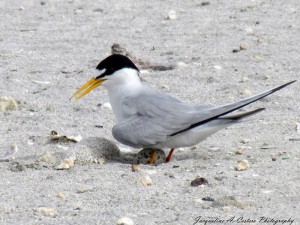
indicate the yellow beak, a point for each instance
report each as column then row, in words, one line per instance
column 86, row 88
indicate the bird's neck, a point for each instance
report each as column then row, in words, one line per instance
column 126, row 85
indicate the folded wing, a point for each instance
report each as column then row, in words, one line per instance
column 159, row 116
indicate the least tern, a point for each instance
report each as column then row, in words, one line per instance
column 147, row 118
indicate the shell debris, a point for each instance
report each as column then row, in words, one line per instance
column 44, row 211
column 240, row 151
column 46, row 157
column 60, row 195
column 9, row 154
column 66, row 164
column 135, row 167
column 125, row 221
column 172, row 15
column 7, row 103
column 146, row 180
column 242, row 165
column 54, row 136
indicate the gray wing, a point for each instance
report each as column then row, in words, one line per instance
column 159, row 117
column 156, row 117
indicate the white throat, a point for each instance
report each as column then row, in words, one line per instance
column 123, row 83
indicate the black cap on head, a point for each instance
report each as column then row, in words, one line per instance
column 113, row 63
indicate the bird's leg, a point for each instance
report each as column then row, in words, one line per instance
column 170, row 155
column 153, row 157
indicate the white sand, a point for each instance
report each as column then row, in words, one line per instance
column 49, row 48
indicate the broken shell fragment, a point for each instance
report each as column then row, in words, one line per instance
column 66, row 164
column 172, row 15
column 60, row 195
column 246, row 92
column 46, row 157
column 7, row 103
column 146, row 180
column 135, row 167
column 10, row 153
column 243, row 47
column 43, row 211
column 240, row 151
column 125, row 221
column 242, row 165
column 245, row 141
column 54, row 136
column 106, row 105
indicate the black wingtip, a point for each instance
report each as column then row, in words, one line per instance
column 284, row 85
column 232, row 107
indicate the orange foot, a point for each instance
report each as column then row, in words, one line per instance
column 153, row 157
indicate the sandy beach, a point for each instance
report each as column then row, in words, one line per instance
column 205, row 52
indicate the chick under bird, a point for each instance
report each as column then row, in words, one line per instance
column 147, row 118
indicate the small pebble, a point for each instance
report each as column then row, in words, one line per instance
column 199, row 181
column 242, row 165
column 165, row 87
column 267, row 77
column 46, row 157
column 217, row 67
column 243, row 47
column 101, row 160
column 240, row 151
column 205, row 3
column 258, row 58
column 30, row 142
column 7, row 103
column 66, row 164
column 215, row 149
column 267, row 191
column 182, row 65
column 209, row 199
column 54, row 136
column 60, row 195
column 245, row 141
column 43, row 211
column 246, row 92
column 146, row 180
column 172, row 15
column 125, row 221
column 249, row 30
column 82, row 190
column 106, row 105
column 135, row 167
column 180, row 149
column 40, row 82
column 298, row 127
column 150, row 172
column 10, row 153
